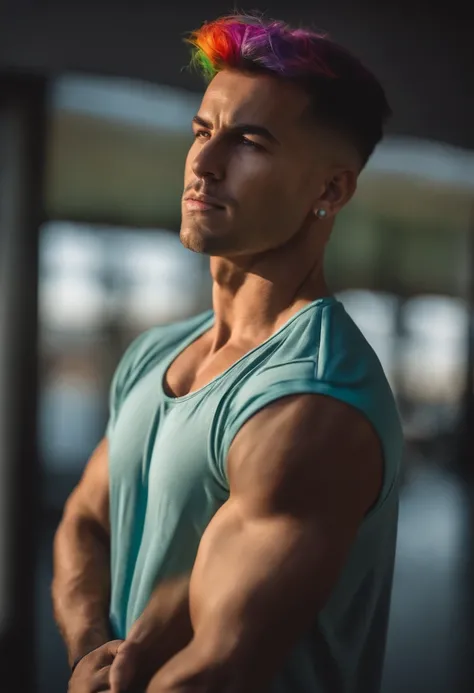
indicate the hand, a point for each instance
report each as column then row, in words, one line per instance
column 163, row 629
column 125, row 667
column 131, row 671
column 133, row 668
column 92, row 673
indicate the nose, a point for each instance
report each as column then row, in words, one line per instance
column 209, row 161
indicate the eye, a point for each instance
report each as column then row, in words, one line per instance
column 201, row 135
column 245, row 142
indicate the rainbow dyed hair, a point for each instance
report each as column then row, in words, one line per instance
column 346, row 95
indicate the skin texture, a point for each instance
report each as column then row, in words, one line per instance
column 81, row 581
column 269, row 186
column 299, row 491
column 298, row 488
column 81, row 589
column 92, row 673
column 271, row 555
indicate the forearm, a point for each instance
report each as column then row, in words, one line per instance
column 252, row 594
column 228, row 653
column 163, row 629
column 81, row 585
column 199, row 669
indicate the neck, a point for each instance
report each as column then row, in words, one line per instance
column 254, row 295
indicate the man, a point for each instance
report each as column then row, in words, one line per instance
column 247, row 485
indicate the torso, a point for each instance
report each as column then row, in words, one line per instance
column 168, row 457
column 194, row 367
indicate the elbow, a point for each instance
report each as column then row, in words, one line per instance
column 79, row 522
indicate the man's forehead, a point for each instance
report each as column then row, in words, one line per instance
column 261, row 99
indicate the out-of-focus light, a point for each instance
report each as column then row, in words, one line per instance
column 72, row 304
column 433, row 354
column 374, row 314
column 89, row 275
column 68, row 249
column 431, row 161
column 126, row 101
column 162, row 279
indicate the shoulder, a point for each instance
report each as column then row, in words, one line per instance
column 324, row 353
column 321, row 344
column 327, row 365
column 309, row 447
column 337, row 346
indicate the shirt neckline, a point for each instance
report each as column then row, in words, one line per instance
column 204, row 326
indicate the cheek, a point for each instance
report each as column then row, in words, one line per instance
column 188, row 164
column 282, row 203
column 253, row 181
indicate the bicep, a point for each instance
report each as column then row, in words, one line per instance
column 261, row 574
column 303, row 474
column 90, row 498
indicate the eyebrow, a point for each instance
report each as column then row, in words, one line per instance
column 241, row 129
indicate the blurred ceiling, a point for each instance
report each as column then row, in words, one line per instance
column 423, row 53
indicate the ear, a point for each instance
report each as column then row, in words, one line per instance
column 337, row 192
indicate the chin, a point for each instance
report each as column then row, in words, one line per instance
column 203, row 240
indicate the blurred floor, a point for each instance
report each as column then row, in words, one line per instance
column 431, row 606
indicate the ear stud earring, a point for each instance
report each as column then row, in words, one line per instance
column 321, row 213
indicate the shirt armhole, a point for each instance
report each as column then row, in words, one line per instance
column 381, row 415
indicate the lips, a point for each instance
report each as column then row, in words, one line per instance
column 202, row 203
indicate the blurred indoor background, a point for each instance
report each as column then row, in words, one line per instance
column 95, row 113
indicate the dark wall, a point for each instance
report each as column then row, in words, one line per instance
column 422, row 54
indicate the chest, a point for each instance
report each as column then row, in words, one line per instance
column 161, row 449
column 195, row 367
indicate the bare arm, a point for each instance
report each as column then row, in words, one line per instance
column 81, row 582
column 303, row 473
column 163, row 629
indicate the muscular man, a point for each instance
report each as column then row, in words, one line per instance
column 236, row 527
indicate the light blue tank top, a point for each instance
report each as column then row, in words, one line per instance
column 167, row 465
